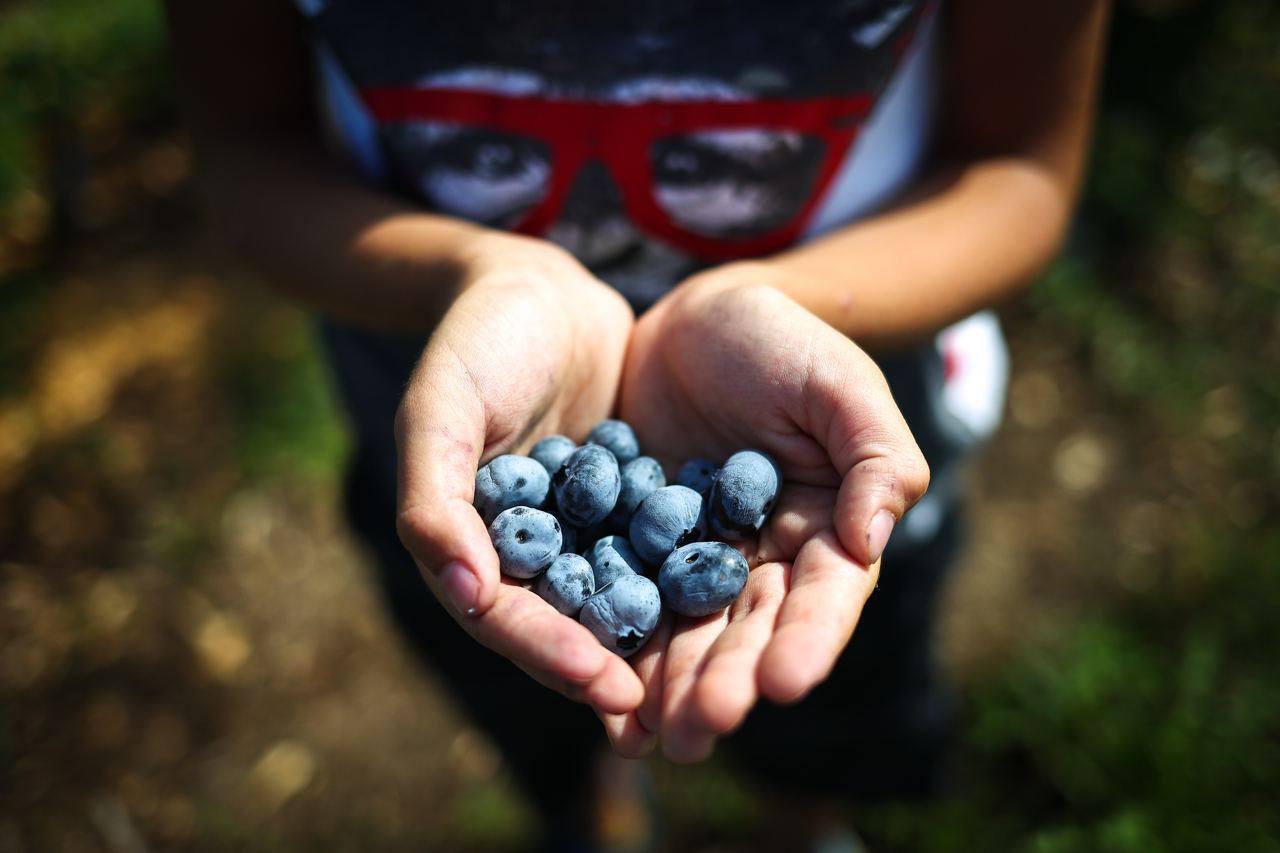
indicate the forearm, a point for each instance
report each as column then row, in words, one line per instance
column 326, row 240
column 312, row 228
column 1022, row 81
column 966, row 237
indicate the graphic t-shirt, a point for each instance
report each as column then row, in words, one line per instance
column 654, row 138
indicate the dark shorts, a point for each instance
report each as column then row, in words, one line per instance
column 876, row 728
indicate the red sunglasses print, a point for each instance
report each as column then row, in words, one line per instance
column 644, row 145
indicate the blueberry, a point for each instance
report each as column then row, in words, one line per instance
column 702, row 578
column 618, row 438
column 667, row 519
column 567, row 584
column 742, row 495
column 552, row 451
column 527, row 541
column 622, row 616
column 697, row 474
column 641, row 477
column 587, row 485
column 612, row 557
column 509, row 481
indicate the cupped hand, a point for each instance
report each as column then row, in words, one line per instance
column 533, row 345
column 727, row 362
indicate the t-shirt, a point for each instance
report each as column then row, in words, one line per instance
column 653, row 138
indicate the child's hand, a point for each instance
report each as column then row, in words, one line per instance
column 534, row 345
column 726, row 362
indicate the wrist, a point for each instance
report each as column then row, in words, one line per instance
column 499, row 260
column 490, row 255
column 745, row 275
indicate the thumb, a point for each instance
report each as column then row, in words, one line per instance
column 440, row 437
column 882, row 471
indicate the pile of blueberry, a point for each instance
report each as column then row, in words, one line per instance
column 590, row 522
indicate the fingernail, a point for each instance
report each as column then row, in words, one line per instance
column 460, row 586
column 878, row 533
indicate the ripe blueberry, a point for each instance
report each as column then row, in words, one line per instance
column 612, row 557
column 587, row 485
column 641, row 477
column 742, row 495
column 567, row 584
column 696, row 474
column 622, row 616
column 509, row 481
column 527, row 541
column 618, row 438
column 702, row 578
column 667, row 519
column 552, row 451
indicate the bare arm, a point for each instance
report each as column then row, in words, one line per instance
column 1022, row 80
column 528, row 342
column 287, row 208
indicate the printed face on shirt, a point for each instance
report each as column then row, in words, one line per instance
column 725, row 183
column 731, row 183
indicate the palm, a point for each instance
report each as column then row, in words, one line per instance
column 516, row 357
column 716, row 370
column 712, row 378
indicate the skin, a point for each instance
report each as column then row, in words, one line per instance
column 824, row 412
column 529, row 343
column 992, row 213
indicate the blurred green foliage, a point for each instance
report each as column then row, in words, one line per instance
column 1151, row 727
column 277, row 385
column 92, row 75
column 67, row 60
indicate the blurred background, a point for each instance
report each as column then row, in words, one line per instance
column 191, row 655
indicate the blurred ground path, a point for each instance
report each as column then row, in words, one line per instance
column 192, row 651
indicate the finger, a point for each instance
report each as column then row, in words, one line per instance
column 616, row 690
column 556, row 650
column 850, row 410
column 816, row 620
column 802, row 513
column 569, row 691
column 690, row 640
column 874, row 496
column 726, row 688
column 440, row 436
column 613, row 691
column 634, row 735
column 627, row 735
column 649, row 666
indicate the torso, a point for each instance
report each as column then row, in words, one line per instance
column 643, row 206
column 653, row 139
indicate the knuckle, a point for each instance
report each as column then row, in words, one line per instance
column 904, row 476
column 415, row 526
column 915, row 476
column 879, row 473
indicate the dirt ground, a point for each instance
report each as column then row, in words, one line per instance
column 192, row 653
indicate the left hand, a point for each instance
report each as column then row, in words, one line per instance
column 727, row 362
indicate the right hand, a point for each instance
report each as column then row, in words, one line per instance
column 534, row 345
column 727, row 361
